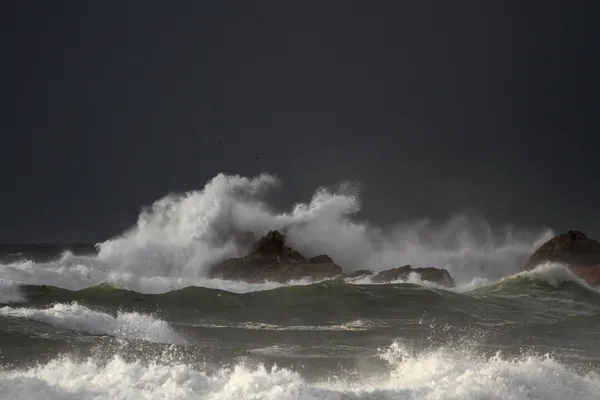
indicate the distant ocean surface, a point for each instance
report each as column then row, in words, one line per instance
column 136, row 317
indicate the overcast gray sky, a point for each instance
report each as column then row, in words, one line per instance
column 434, row 106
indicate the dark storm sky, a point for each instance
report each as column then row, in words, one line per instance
column 435, row 107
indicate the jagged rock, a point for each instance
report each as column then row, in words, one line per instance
column 296, row 256
column 272, row 243
column 574, row 249
column 271, row 260
column 436, row 275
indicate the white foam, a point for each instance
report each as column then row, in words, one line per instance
column 82, row 319
column 10, row 292
column 181, row 236
column 178, row 239
column 553, row 274
column 437, row 375
column 75, row 273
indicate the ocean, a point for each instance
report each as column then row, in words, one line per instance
column 136, row 316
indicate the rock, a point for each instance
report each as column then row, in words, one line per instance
column 361, row 273
column 574, row 249
column 435, row 275
column 591, row 275
column 270, row 244
column 296, row 256
column 271, row 260
column 320, row 259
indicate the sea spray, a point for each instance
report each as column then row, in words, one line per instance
column 79, row 318
column 182, row 236
column 178, row 239
column 77, row 272
column 439, row 374
column 10, row 292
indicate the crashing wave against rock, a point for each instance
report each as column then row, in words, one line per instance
column 574, row 249
column 270, row 260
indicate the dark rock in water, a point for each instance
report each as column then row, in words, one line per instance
column 356, row 274
column 271, row 260
column 320, row 259
column 439, row 276
column 436, row 275
column 573, row 249
column 270, row 244
column 591, row 275
column 295, row 255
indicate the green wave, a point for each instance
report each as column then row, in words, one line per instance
column 331, row 295
column 525, row 285
column 318, row 299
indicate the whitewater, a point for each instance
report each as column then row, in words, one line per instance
column 178, row 238
column 139, row 317
column 438, row 375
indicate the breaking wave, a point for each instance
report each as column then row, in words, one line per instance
column 79, row 318
column 178, row 238
column 545, row 277
column 10, row 292
column 439, row 374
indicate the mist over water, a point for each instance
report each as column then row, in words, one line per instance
column 177, row 240
column 500, row 334
column 183, row 236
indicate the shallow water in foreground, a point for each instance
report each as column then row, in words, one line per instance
column 530, row 336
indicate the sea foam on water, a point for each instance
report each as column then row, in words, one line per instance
column 79, row 318
column 441, row 374
column 178, row 239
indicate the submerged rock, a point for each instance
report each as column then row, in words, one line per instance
column 361, row 273
column 574, row 249
column 271, row 260
column 435, row 275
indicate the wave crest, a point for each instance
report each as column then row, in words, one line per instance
column 180, row 237
column 79, row 318
column 433, row 375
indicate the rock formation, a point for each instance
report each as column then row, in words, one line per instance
column 573, row 249
column 361, row 273
column 436, row 275
column 271, row 260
